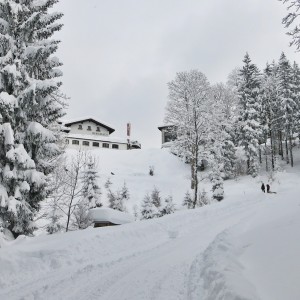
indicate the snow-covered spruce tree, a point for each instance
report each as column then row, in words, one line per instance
column 203, row 198
column 217, row 183
column 249, row 123
column 189, row 111
column 168, row 207
column 55, row 220
column 296, row 96
column 91, row 194
column 125, row 192
column 116, row 201
column 269, row 115
column 148, row 209
column 288, row 106
column 188, row 201
column 108, row 183
column 225, row 115
column 91, row 191
column 156, row 198
column 30, row 104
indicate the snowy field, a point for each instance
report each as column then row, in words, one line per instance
column 245, row 247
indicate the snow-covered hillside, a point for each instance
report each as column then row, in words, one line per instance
column 245, row 247
column 171, row 175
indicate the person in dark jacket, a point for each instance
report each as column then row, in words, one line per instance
column 263, row 188
column 268, row 188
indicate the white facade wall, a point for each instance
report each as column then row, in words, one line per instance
column 81, row 145
column 102, row 131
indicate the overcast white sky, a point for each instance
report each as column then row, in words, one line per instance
column 118, row 55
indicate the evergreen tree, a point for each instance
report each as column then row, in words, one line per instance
column 249, row 124
column 108, row 183
column 288, row 105
column 217, row 186
column 270, row 112
column 116, row 201
column 91, row 191
column 156, row 198
column 54, row 226
column 30, row 104
column 203, row 198
column 148, row 209
column 125, row 192
column 296, row 96
column 188, row 201
column 169, row 207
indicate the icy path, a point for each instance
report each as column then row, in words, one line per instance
column 221, row 252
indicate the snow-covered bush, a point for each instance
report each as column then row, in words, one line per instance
column 188, row 201
column 203, row 198
column 168, row 207
column 148, row 209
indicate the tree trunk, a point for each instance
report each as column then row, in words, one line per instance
column 280, row 148
column 272, row 151
column 291, row 150
column 259, row 153
column 286, row 151
column 195, row 178
column 266, row 155
column 192, row 174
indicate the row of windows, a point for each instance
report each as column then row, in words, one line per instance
column 89, row 128
column 94, row 144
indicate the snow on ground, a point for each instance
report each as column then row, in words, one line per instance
column 171, row 175
column 245, row 247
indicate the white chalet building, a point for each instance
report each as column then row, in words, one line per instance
column 90, row 133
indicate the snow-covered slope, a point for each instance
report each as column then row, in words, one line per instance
column 245, row 247
column 171, row 175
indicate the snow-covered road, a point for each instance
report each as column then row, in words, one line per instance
column 221, row 251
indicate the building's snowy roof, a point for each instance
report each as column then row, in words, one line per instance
column 88, row 118
column 95, row 137
column 102, row 214
column 165, row 126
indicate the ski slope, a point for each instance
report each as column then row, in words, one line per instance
column 245, row 247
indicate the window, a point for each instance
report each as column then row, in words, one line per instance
column 114, row 146
column 105, row 145
column 80, row 127
column 169, row 136
column 98, row 128
column 85, row 143
column 75, row 142
column 95, row 144
column 89, row 128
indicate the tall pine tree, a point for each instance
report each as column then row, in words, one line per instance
column 249, row 125
column 288, row 106
column 30, row 104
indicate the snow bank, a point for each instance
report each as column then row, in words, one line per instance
column 102, row 214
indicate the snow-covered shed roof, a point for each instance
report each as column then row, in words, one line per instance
column 91, row 119
column 101, row 214
column 165, row 127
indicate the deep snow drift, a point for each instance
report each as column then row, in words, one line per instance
column 245, row 247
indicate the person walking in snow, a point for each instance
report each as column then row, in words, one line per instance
column 263, row 187
column 268, row 188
